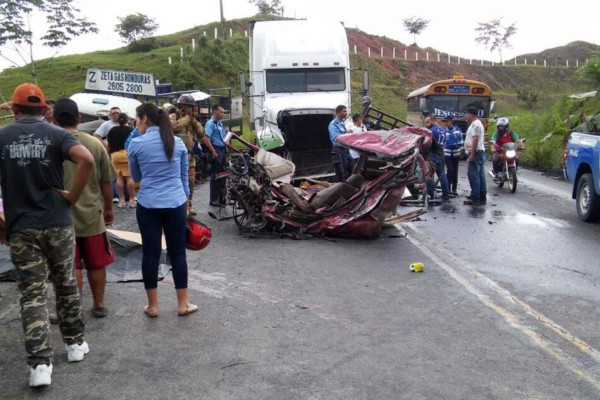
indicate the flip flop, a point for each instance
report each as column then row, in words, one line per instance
column 151, row 312
column 191, row 308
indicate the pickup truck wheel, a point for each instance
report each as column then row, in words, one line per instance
column 588, row 201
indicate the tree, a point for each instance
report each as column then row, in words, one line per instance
column 415, row 26
column 265, row 7
column 528, row 96
column 137, row 30
column 63, row 24
column 591, row 70
column 494, row 36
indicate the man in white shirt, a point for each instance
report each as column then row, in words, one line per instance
column 103, row 129
column 475, row 150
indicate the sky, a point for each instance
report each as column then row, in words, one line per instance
column 451, row 28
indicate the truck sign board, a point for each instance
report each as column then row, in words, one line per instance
column 125, row 82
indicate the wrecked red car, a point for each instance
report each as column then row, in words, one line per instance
column 262, row 198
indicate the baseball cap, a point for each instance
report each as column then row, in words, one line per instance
column 447, row 118
column 66, row 106
column 28, row 94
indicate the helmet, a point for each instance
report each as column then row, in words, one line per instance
column 198, row 235
column 186, row 100
column 502, row 124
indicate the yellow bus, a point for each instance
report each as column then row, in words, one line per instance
column 450, row 97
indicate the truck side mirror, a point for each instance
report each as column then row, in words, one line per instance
column 493, row 106
column 423, row 104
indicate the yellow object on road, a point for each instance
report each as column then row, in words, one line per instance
column 416, row 267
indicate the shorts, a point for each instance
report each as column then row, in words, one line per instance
column 95, row 251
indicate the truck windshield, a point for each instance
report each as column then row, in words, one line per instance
column 305, row 80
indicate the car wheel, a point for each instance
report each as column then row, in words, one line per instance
column 588, row 201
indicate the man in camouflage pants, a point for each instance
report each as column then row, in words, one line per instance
column 189, row 130
column 39, row 225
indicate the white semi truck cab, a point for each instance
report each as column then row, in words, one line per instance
column 299, row 73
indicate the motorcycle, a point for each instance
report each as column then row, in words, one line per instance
column 262, row 200
column 508, row 155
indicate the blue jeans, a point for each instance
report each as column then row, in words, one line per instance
column 476, row 174
column 441, row 173
column 152, row 221
column 217, row 186
column 343, row 164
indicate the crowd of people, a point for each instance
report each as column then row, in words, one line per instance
column 449, row 146
column 57, row 192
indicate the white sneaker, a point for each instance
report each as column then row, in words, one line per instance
column 40, row 375
column 75, row 352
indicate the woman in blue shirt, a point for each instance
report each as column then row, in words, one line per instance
column 159, row 160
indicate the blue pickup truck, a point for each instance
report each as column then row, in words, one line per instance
column 582, row 168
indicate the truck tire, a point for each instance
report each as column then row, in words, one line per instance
column 587, row 200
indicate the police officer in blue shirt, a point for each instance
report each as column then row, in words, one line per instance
column 342, row 161
column 215, row 131
column 436, row 156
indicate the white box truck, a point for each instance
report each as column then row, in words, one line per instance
column 299, row 73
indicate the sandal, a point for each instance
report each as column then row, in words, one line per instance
column 191, row 308
column 151, row 312
column 99, row 312
column 121, row 204
column 131, row 204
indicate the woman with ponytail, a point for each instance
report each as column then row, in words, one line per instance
column 159, row 161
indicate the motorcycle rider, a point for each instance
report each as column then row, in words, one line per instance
column 190, row 130
column 502, row 135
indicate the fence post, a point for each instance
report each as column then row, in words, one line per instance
column 525, row 61
column 193, row 45
column 394, row 53
column 405, row 58
column 482, row 62
column 535, row 62
column 246, row 33
column 369, row 51
column 470, row 61
column 427, row 56
column 181, row 54
column 458, row 61
column 215, row 33
column 448, row 58
column 169, row 60
column 230, row 32
column 416, row 56
column 354, row 49
column 438, row 57
column 577, row 63
column 204, row 33
column 515, row 60
column 567, row 63
column 381, row 51
column 544, row 63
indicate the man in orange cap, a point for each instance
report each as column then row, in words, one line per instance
column 39, row 225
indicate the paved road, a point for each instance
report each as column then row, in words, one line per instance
column 345, row 319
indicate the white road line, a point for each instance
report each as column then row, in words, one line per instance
column 513, row 320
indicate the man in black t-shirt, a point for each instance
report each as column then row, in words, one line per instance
column 39, row 225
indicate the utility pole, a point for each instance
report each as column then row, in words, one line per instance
column 222, row 16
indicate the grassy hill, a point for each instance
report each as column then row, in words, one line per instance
column 217, row 63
